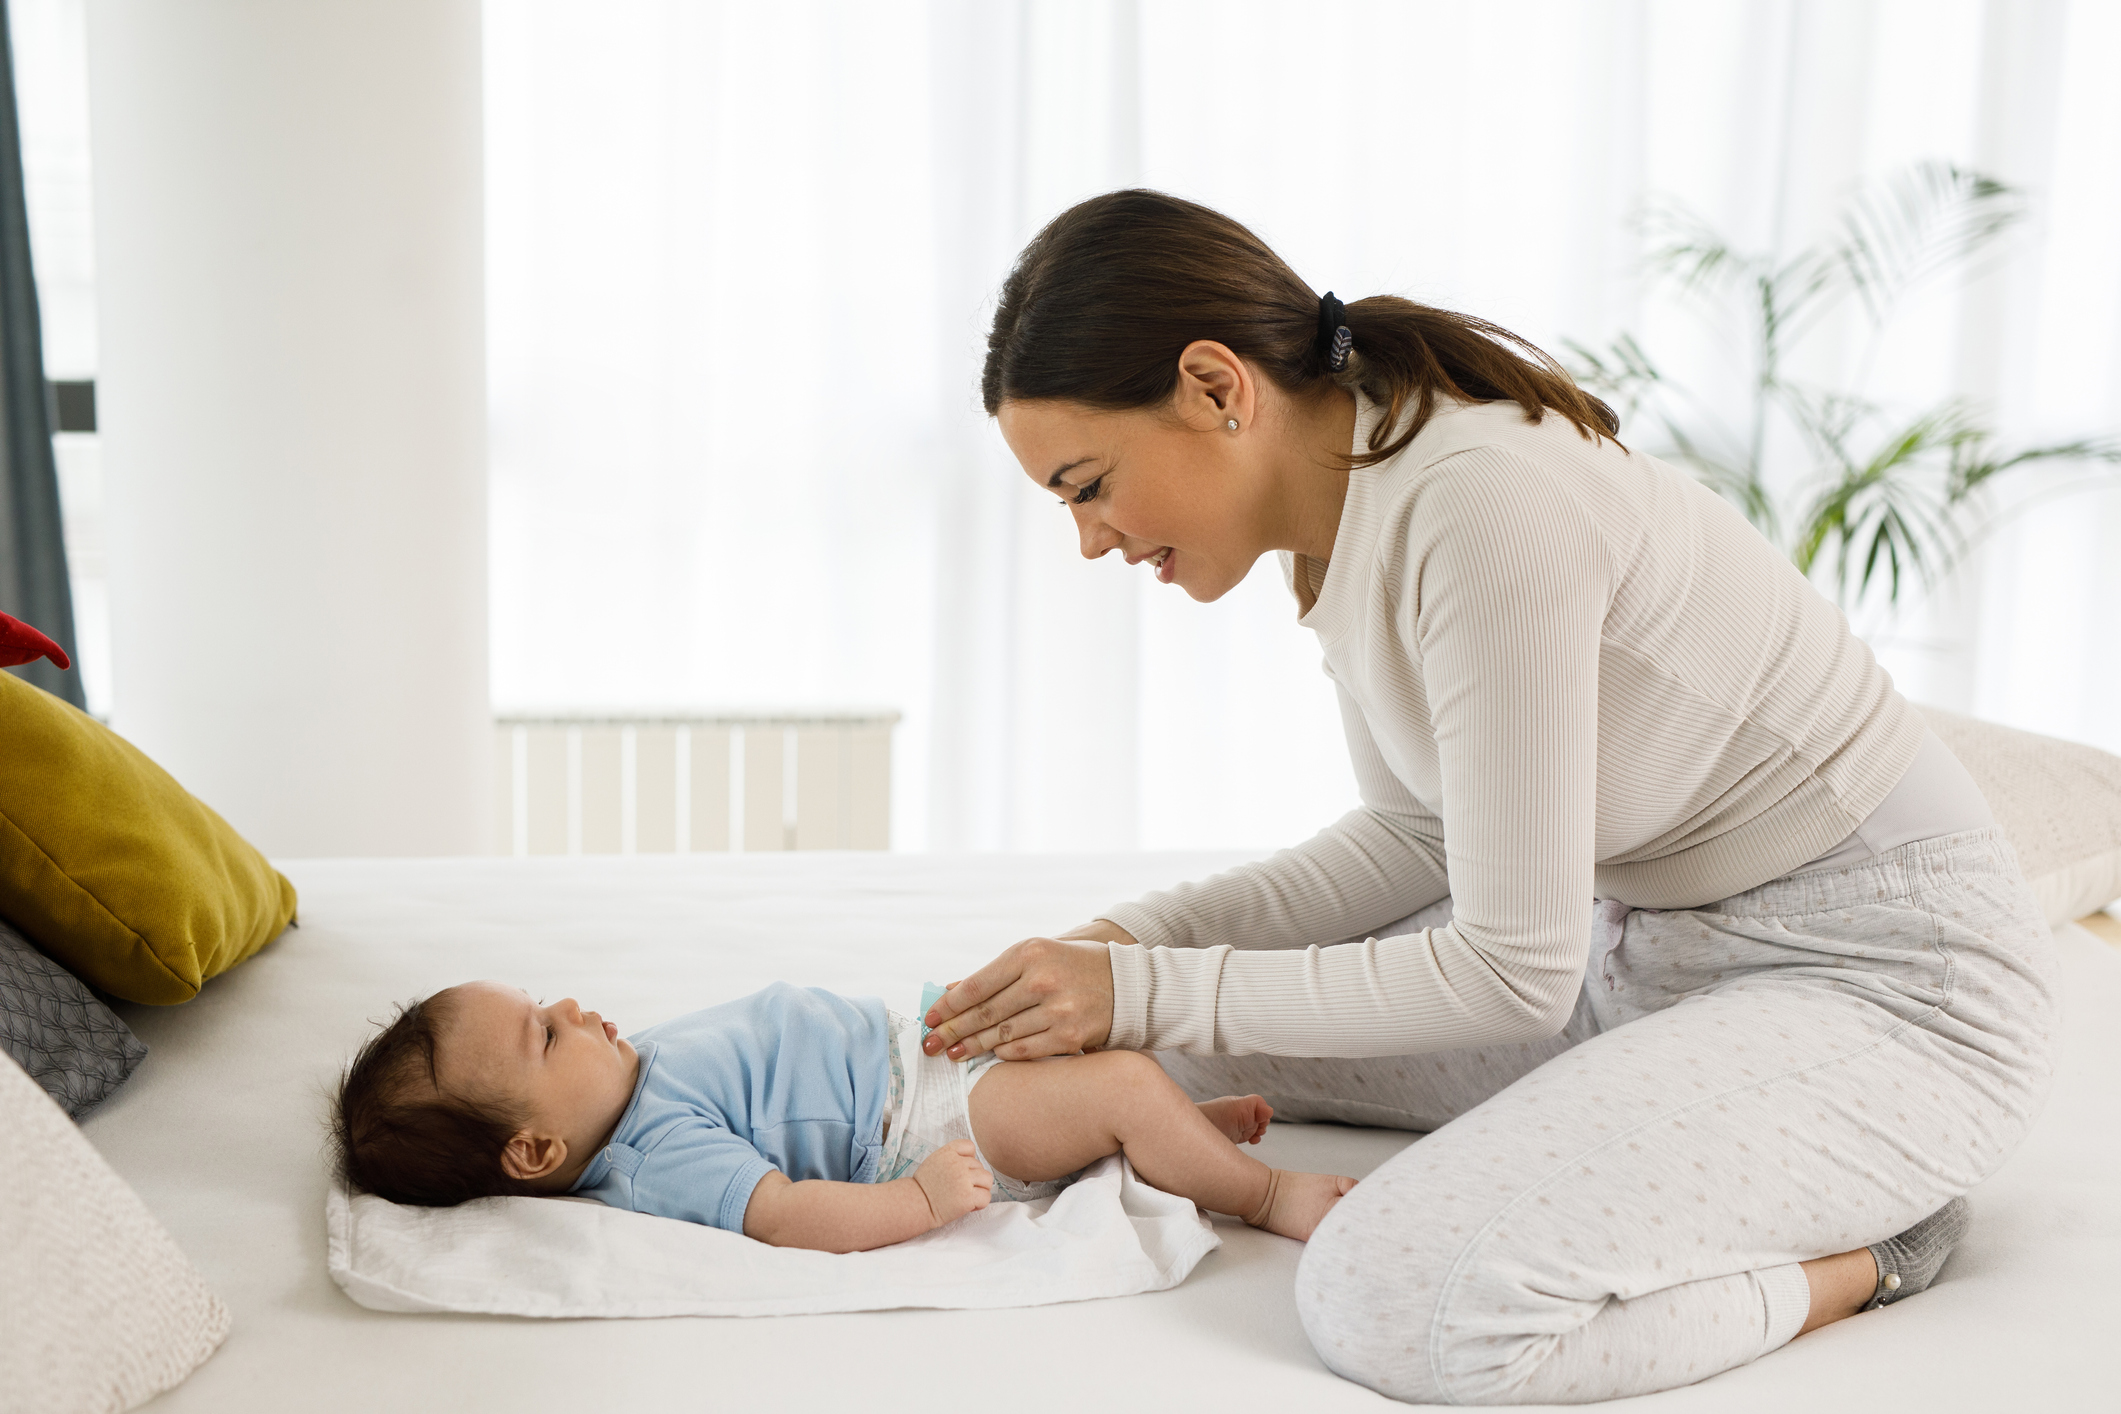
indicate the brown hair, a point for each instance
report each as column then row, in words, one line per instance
column 1105, row 298
column 400, row 1136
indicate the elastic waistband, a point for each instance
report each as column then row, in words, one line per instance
column 1896, row 874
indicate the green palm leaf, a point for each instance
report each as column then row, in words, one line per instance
column 1892, row 497
column 1920, row 221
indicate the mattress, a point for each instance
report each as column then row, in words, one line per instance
column 222, row 1132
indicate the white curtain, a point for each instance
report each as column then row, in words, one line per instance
column 743, row 256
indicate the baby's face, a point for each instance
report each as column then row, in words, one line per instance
column 570, row 1067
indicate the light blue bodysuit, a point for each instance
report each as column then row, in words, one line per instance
column 790, row 1078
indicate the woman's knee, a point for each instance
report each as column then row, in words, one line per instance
column 1412, row 1294
column 1366, row 1286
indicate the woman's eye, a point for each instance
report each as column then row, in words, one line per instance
column 1088, row 492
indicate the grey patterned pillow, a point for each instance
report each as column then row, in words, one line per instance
column 2057, row 802
column 53, row 1026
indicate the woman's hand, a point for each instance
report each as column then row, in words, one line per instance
column 1043, row 997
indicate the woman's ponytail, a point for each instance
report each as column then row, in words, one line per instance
column 1404, row 354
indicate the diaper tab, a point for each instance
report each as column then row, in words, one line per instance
column 931, row 993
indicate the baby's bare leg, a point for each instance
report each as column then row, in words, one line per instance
column 1038, row 1120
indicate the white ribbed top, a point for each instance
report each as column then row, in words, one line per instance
column 1565, row 672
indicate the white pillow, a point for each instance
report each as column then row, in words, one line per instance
column 1108, row 1234
column 98, row 1308
column 2057, row 802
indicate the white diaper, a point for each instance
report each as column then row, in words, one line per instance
column 930, row 1106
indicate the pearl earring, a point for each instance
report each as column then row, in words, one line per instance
column 1231, row 424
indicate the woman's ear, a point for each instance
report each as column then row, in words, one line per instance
column 531, row 1156
column 1215, row 387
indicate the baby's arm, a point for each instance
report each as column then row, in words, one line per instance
column 854, row 1217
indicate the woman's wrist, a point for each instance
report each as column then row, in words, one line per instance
column 1127, row 1024
column 1098, row 930
column 1130, row 998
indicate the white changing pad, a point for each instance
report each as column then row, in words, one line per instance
column 1108, row 1234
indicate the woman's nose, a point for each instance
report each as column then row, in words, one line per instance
column 1097, row 537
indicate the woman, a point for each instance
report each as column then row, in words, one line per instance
column 1712, row 977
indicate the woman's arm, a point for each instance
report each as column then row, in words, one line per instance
column 1506, row 590
column 1377, row 863
column 1046, row 997
column 853, row 1217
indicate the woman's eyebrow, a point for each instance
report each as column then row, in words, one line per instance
column 1055, row 479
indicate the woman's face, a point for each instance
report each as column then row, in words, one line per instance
column 1163, row 490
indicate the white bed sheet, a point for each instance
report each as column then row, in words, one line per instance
column 222, row 1129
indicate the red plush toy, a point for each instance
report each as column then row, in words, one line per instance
column 19, row 643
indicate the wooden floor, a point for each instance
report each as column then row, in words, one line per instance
column 2105, row 925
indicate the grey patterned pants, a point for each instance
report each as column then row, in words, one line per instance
column 1800, row 1070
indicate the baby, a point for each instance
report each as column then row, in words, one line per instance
column 794, row 1116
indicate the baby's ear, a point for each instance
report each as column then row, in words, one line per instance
column 531, row 1156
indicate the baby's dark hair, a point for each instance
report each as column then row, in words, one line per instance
column 399, row 1136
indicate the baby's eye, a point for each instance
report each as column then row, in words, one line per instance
column 548, row 1037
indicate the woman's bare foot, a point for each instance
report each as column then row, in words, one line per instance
column 1296, row 1203
column 1241, row 1118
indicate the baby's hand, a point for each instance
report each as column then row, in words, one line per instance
column 954, row 1182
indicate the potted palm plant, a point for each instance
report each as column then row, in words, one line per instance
column 1891, row 495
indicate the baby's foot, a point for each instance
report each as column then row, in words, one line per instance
column 1241, row 1118
column 1296, row 1203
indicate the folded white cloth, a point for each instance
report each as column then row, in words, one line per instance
column 1108, row 1234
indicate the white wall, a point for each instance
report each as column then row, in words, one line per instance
column 291, row 388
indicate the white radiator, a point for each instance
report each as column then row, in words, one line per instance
column 689, row 785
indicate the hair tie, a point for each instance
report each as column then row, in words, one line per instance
column 1334, row 338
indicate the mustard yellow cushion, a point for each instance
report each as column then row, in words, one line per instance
column 112, row 868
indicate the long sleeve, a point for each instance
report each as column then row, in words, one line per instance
column 1497, row 603
column 1378, row 862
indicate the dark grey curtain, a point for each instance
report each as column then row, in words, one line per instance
column 33, row 582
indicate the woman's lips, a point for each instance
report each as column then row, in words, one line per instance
column 1166, row 565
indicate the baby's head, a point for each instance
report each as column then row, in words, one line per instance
column 479, row 1090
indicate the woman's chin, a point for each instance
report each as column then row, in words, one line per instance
column 1208, row 585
